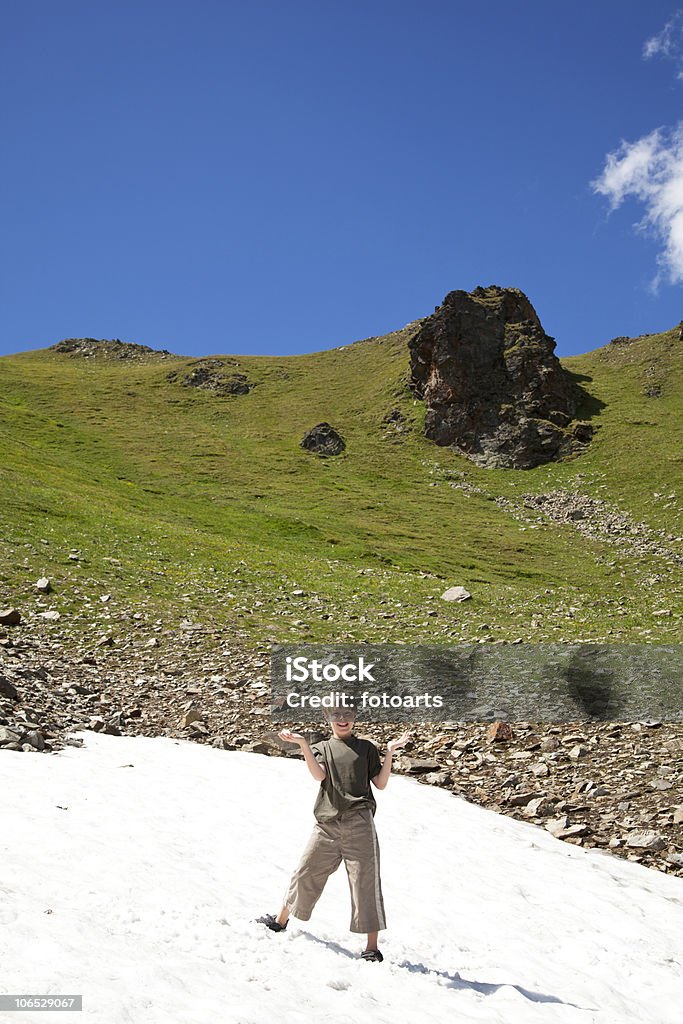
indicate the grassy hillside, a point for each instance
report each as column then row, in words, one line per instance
column 181, row 503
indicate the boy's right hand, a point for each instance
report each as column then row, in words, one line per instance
column 292, row 737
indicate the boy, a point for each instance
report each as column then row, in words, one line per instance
column 345, row 765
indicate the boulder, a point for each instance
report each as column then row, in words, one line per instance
column 8, row 736
column 455, row 594
column 645, row 840
column 323, row 440
column 8, row 689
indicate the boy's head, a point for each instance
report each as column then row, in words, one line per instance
column 341, row 720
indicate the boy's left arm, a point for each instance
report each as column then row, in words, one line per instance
column 380, row 780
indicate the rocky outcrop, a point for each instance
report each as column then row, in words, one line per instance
column 103, row 348
column 493, row 387
column 209, row 375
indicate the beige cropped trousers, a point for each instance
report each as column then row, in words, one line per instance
column 351, row 837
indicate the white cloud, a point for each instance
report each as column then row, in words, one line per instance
column 668, row 43
column 663, row 43
column 650, row 170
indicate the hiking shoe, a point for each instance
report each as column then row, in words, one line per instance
column 269, row 921
column 372, row 955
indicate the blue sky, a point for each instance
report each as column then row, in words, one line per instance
column 284, row 177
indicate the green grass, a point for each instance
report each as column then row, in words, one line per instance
column 213, row 511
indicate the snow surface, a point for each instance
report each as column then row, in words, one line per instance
column 153, row 857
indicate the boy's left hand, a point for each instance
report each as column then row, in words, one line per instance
column 393, row 745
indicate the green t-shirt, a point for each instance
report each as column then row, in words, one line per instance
column 350, row 764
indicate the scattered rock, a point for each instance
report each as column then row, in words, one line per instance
column 455, row 594
column 499, row 732
column 10, row 617
column 417, row 765
column 8, row 690
column 262, row 746
column 661, row 784
column 572, row 831
column 521, row 799
column 35, row 738
column 557, row 825
column 8, row 736
column 43, row 585
column 190, row 717
column 644, row 840
column 395, row 419
column 595, row 519
column 571, row 738
column 539, row 807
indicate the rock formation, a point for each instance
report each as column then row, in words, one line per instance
column 493, row 387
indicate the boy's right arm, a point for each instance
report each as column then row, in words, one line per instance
column 316, row 769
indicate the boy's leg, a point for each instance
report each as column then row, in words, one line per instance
column 360, row 850
column 283, row 916
column 320, row 859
